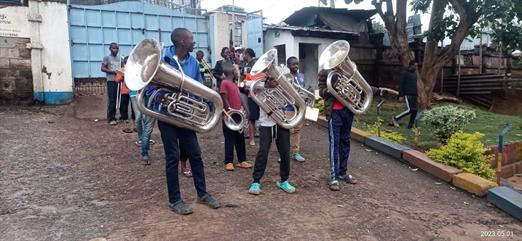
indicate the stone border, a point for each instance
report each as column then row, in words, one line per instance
column 507, row 199
column 465, row 181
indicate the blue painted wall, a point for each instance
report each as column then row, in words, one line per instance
column 93, row 28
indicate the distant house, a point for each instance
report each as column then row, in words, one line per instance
column 307, row 32
column 230, row 22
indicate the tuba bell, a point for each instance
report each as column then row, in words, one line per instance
column 274, row 101
column 236, row 120
column 350, row 88
column 183, row 99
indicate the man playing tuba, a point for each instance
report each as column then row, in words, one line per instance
column 340, row 120
column 175, row 138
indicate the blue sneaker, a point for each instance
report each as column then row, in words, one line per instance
column 298, row 157
column 285, row 186
column 255, row 188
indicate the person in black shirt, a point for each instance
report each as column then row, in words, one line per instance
column 408, row 91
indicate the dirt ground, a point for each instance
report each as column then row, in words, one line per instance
column 64, row 176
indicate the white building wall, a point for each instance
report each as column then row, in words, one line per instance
column 56, row 64
column 220, row 32
column 45, row 23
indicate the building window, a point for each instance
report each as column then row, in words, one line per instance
column 281, row 54
column 13, row 2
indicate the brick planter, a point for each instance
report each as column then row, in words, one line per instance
column 422, row 161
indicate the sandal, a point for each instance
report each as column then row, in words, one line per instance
column 127, row 130
column 187, row 173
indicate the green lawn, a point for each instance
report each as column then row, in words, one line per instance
column 488, row 123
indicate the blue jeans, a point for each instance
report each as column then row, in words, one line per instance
column 175, row 138
column 144, row 126
column 339, row 128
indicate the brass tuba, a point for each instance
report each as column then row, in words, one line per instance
column 183, row 99
column 236, row 120
column 350, row 88
column 274, row 100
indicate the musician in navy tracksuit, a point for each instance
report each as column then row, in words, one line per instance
column 340, row 120
column 175, row 138
column 408, row 91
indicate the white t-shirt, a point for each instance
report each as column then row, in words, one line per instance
column 265, row 120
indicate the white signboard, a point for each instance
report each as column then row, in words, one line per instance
column 13, row 22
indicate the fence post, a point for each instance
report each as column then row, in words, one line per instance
column 500, row 153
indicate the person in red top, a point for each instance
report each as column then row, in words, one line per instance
column 232, row 100
column 124, row 92
column 340, row 120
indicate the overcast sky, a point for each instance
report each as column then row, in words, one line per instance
column 276, row 11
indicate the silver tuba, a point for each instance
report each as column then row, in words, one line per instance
column 182, row 98
column 350, row 88
column 307, row 96
column 236, row 120
column 274, row 100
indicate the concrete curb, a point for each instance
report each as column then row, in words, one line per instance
column 422, row 161
column 466, row 181
column 473, row 183
column 386, row 147
column 507, row 199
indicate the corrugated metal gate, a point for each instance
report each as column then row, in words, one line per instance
column 254, row 25
column 93, row 28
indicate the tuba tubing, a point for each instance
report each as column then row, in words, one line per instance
column 145, row 67
column 350, row 88
column 230, row 119
column 273, row 100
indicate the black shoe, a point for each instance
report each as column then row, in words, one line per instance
column 348, row 179
column 209, row 201
column 180, row 207
column 145, row 159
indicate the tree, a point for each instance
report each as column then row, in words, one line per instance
column 449, row 18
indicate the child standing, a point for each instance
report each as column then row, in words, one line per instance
column 144, row 124
column 232, row 100
column 269, row 131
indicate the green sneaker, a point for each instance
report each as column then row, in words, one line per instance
column 298, row 157
column 255, row 188
column 285, row 186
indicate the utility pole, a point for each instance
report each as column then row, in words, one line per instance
column 332, row 3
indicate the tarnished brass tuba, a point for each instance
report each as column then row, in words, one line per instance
column 351, row 89
column 236, row 120
column 274, row 100
column 184, row 104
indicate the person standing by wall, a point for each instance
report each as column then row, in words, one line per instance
column 110, row 65
column 218, row 69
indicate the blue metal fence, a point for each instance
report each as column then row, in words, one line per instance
column 93, row 28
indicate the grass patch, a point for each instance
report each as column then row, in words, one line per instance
column 487, row 123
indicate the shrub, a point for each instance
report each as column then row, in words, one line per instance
column 465, row 151
column 446, row 120
column 320, row 105
column 386, row 134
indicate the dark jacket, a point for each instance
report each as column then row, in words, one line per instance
column 408, row 85
column 329, row 98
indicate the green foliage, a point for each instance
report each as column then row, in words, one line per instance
column 504, row 20
column 320, row 105
column 465, row 151
column 378, row 27
column 446, row 120
column 385, row 134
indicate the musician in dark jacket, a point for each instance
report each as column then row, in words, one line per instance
column 408, row 91
column 340, row 120
column 178, row 141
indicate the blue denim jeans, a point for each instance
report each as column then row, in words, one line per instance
column 339, row 128
column 144, row 126
column 175, row 138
